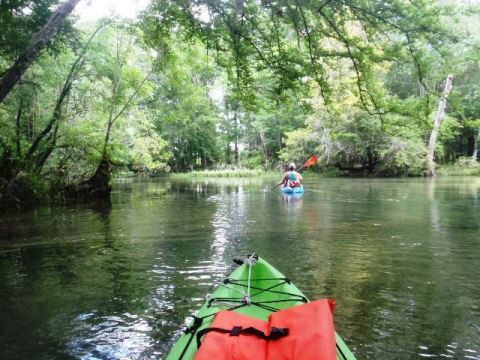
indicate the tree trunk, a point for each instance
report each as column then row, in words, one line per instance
column 97, row 187
column 57, row 114
column 10, row 78
column 371, row 160
column 263, row 139
column 227, row 152
column 228, row 129
column 237, row 152
column 436, row 126
column 475, row 145
column 32, row 117
column 100, row 181
column 17, row 127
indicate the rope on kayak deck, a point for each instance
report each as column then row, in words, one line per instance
column 246, row 298
column 251, row 261
column 262, row 304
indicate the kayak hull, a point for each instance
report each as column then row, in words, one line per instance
column 263, row 275
column 295, row 190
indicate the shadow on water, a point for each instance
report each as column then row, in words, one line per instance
column 116, row 281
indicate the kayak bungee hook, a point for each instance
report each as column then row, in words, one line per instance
column 249, row 258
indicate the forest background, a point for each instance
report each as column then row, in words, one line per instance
column 210, row 84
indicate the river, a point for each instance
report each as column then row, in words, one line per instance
column 117, row 280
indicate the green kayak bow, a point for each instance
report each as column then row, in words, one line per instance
column 255, row 289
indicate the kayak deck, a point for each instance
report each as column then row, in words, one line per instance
column 269, row 291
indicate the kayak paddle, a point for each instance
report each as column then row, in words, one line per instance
column 276, row 185
column 311, row 161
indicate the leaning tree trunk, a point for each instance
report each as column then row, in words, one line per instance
column 436, row 126
column 56, row 21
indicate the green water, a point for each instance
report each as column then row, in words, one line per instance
column 116, row 281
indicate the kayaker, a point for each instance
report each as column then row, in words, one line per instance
column 292, row 178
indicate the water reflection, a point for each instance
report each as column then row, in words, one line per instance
column 293, row 201
column 434, row 212
column 229, row 223
column 111, row 337
column 116, row 281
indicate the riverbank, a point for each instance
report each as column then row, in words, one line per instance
column 445, row 170
column 458, row 170
column 243, row 172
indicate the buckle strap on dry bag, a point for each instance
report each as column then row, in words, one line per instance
column 197, row 322
column 275, row 333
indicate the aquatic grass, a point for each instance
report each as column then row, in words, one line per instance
column 453, row 170
column 464, row 166
column 224, row 173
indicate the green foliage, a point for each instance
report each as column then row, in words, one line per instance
column 183, row 112
column 298, row 144
column 401, row 157
column 467, row 162
column 72, row 131
column 355, row 144
column 232, row 85
column 148, row 152
column 253, row 159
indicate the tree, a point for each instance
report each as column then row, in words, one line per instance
column 125, row 83
column 184, row 112
column 32, row 150
column 305, row 44
column 10, row 78
column 436, row 126
column 303, row 39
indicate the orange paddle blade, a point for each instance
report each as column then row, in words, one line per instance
column 312, row 161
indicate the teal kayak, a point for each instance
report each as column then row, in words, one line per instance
column 294, row 190
column 268, row 291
